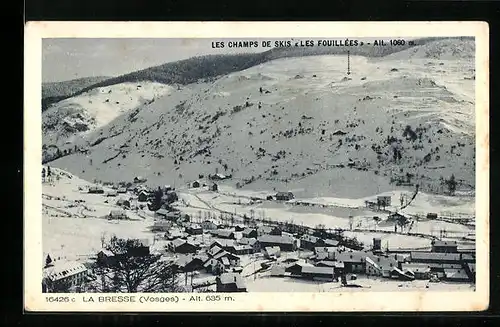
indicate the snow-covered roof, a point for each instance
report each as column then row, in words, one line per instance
column 247, row 241
column 222, row 232
column 106, row 252
column 178, row 242
column 435, row 256
column 455, row 274
column 317, row 270
column 275, row 239
column 62, row 270
column 232, row 278
column 272, row 250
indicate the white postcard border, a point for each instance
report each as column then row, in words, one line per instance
column 334, row 301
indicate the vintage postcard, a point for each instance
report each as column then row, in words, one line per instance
column 291, row 166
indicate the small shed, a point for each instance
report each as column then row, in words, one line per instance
column 214, row 187
column 117, row 214
column 284, row 196
column 143, row 196
column 123, row 203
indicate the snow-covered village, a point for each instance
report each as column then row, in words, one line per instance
column 282, row 173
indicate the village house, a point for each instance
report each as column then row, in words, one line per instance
column 195, row 184
column 167, row 215
column 182, row 246
column 64, row 276
column 230, row 282
column 318, row 273
column 194, row 229
column 269, row 230
column 121, row 190
column 214, row 187
column 208, row 225
column 213, row 266
column 284, row 196
column 143, row 196
column 444, row 246
column 324, row 253
column 249, row 233
column 456, row 275
column 380, row 265
column 105, row 258
column 167, row 188
column 214, row 250
column 161, row 226
column 285, row 243
column 112, row 193
column 240, row 249
column 354, row 261
column 190, row 263
column 96, row 190
column 117, row 214
column 418, row 270
column 232, row 259
column 309, row 242
column 295, row 268
column 250, row 242
column 271, row 252
column 123, row 203
column 222, row 233
column 435, row 257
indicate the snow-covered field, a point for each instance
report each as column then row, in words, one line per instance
column 285, row 284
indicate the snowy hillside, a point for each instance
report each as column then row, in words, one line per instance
column 96, row 108
column 313, row 129
column 442, row 49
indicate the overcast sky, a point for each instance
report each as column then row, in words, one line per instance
column 65, row 59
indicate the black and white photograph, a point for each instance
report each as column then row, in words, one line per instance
column 254, row 164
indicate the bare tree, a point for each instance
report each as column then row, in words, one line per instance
column 131, row 272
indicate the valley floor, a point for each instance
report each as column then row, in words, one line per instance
column 74, row 226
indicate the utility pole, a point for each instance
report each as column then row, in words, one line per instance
column 348, row 63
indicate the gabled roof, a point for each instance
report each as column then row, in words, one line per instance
column 309, row 238
column 178, row 242
column 232, row 278
column 317, row 270
column 222, row 232
column 247, row 241
column 214, row 250
column 444, row 243
column 331, row 242
column 106, row 252
column 445, row 257
column 272, row 250
column 62, row 270
column 277, row 239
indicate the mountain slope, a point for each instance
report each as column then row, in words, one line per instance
column 55, row 91
column 311, row 129
column 78, row 115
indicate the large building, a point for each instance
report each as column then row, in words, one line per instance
column 285, row 243
column 63, row 277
